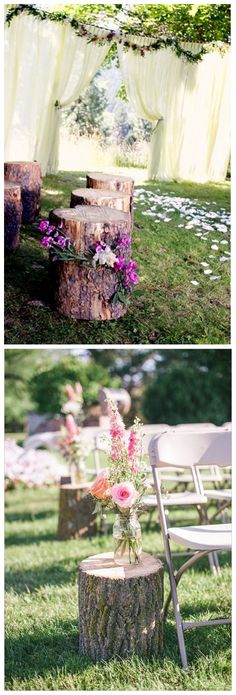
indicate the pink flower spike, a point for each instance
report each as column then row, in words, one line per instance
column 78, row 389
column 71, row 425
column 70, row 392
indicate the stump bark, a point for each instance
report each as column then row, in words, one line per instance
column 12, row 214
column 28, row 176
column 120, row 608
column 84, row 292
column 76, row 518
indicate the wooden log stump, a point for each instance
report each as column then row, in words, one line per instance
column 101, row 198
column 112, row 182
column 28, row 175
column 12, row 214
column 76, row 518
column 84, row 292
column 120, row 608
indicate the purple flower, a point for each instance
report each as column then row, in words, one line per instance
column 119, row 264
column 61, row 241
column 43, row 225
column 123, row 243
column 45, row 242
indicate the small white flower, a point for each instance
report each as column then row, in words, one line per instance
column 214, row 247
column 194, row 282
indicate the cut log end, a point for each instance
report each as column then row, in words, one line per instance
column 101, row 198
column 110, row 182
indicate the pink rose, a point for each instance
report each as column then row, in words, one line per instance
column 100, row 486
column 70, row 392
column 124, row 494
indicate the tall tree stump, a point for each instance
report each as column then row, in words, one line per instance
column 84, row 292
column 12, row 214
column 120, row 608
column 76, row 518
column 112, row 182
column 28, row 175
column 101, row 198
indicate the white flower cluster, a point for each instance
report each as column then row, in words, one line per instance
column 73, row 407
column 105, row 256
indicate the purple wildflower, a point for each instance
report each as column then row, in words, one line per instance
column 43, row 225
column 45, row 242
column 119, row 264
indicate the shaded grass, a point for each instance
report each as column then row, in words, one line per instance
column 42, row 611
column 170, row 310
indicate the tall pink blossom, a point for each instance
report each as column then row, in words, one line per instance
column 134, row 447
column 71, row 425
column 117, row 430
column 78, row 389
column 70, row 392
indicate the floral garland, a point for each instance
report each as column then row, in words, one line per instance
column 83, row 30
column 102, row 254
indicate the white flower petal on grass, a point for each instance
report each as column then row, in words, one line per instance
column 211, row 255
column 215, row 277
column 214, row 247
column 224, row 258
column 194, row 282
column 204, row 264
column 224, row 241
column 207, row 272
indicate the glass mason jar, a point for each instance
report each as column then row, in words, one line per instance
column 127, row 539
column 80, row 472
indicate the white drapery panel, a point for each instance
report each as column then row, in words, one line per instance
column 189, row 105
column 45, row 62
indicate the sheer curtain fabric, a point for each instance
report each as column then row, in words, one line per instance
column 45, row 62
column 189, row 106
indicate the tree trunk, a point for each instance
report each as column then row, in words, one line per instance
column 109, row 182
column 76, row 518
column 84, row 292
column 120, row 608
column 101, row 198
column 28, row 175
column 12, row 214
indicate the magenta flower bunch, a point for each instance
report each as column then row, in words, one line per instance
column 111, row 256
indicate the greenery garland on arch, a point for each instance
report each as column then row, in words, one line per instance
column 89, row 32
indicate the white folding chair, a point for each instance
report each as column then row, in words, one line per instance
column 208, row 448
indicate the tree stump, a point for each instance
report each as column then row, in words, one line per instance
column 101, row 198
column 28, row 175
column 76, row 518
column 112, row 182
column 12, row 214
column 84, row 292
column 120, row 608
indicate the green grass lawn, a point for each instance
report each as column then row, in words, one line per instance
column 170, row 310
column 42, row 611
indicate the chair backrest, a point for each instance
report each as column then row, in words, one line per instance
column 148, row 431
column 196, row 426
column 184, row 449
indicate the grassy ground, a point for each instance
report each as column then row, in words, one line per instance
column 41, row 612
column 171, row 308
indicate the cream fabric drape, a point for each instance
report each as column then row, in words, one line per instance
column 189, row 105
column 45, row 62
